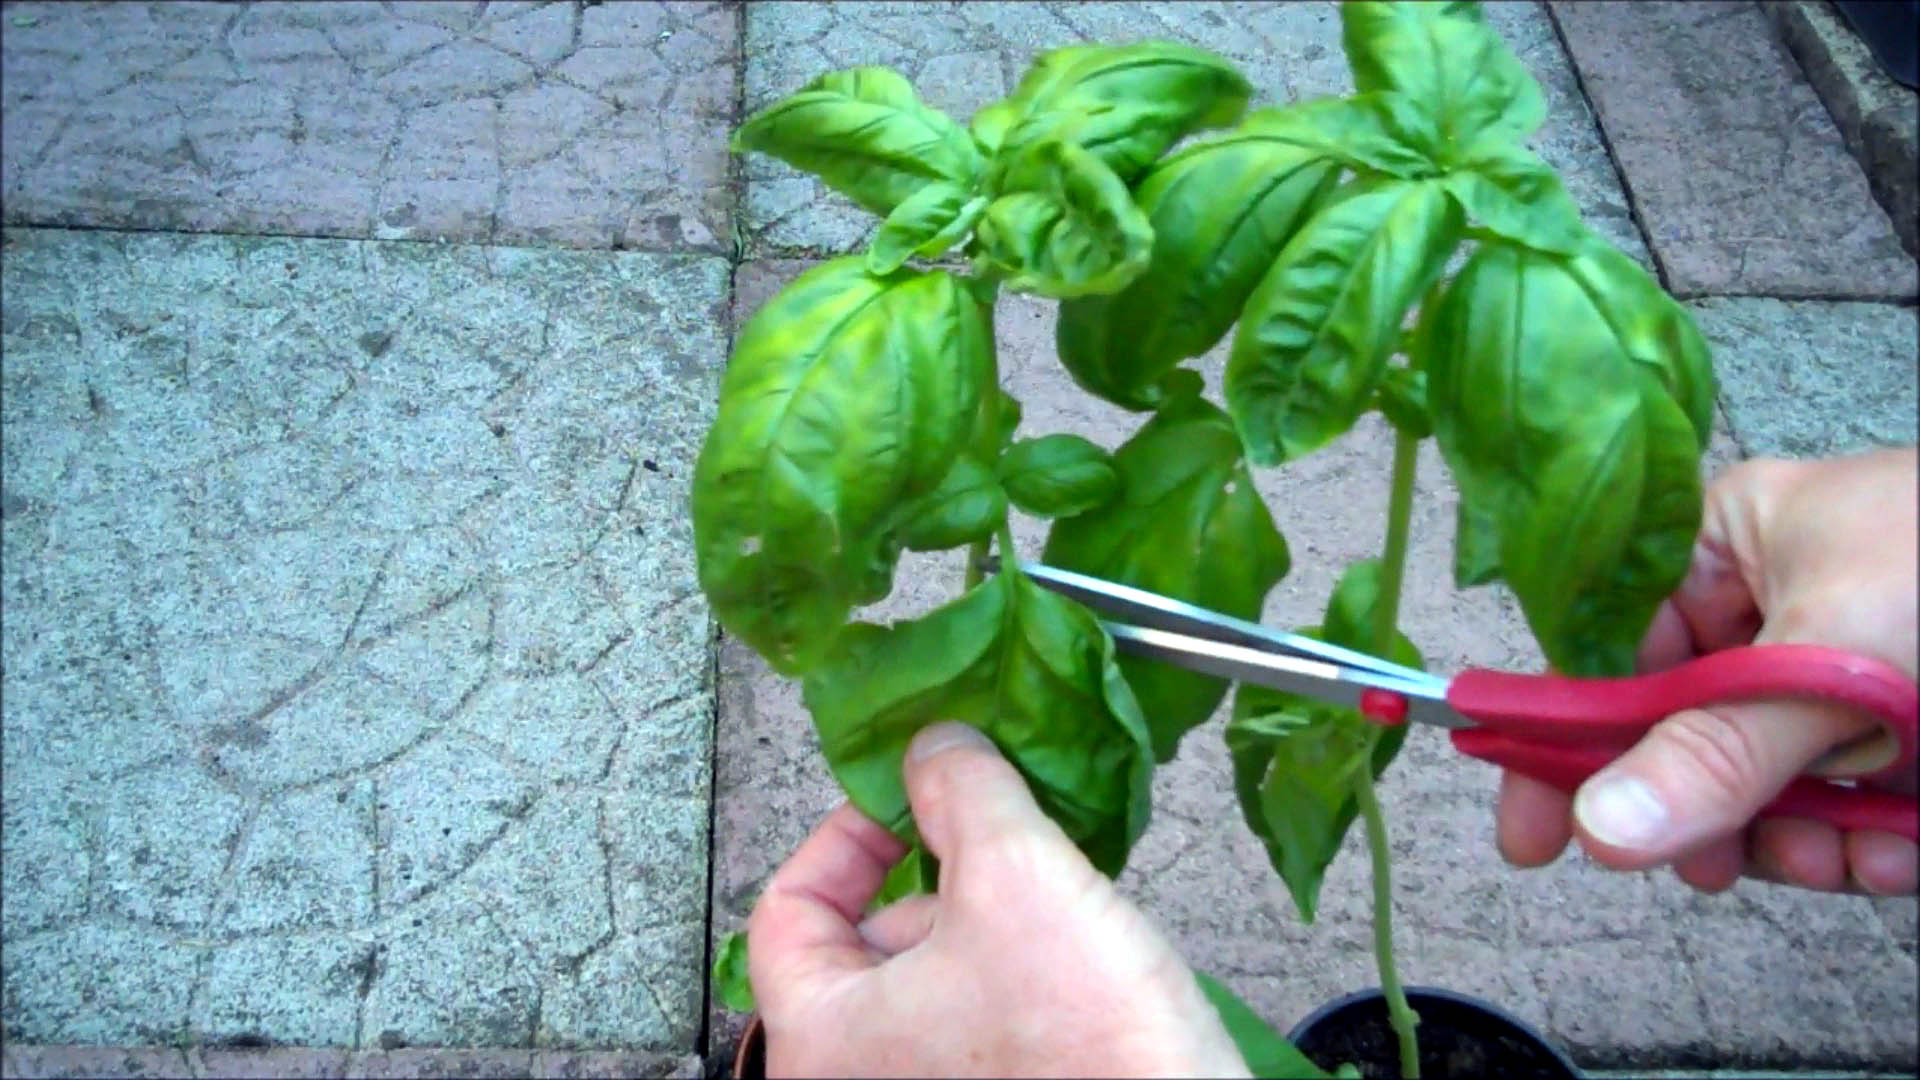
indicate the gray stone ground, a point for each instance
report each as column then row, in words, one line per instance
column 358, row 693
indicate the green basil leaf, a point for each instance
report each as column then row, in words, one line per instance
column 1476, row 544
column 730, row 981
column 915, row 874
column 1125, row 103
column 1403, row 399
column 865, row 133
column 1058, row 475
column 1266, row 1052
column 1510, row 192
column 1654, row 328
column 1295, row 757
column 999, row 416
column 1188, row 524
column 1030, row 669
column 1593, row 485
column 1382, row 132
column 1316, row 334
column 1446, row 58
column 968, row 505
column 1067, row 227
column 847, row 395
column 1219, row 212
column 926, row 223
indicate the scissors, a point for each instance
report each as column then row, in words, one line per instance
column 1556, row 729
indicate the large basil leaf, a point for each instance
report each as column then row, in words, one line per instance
column 1316, row 335
column 1187, row 524
column 1067, row 226
column 1573, row 449
column 1510, row 192
column 1029, row 668
column 1295, row 758
column 1219, row 213
column 847, row 395
column 1446, row 58
column 1125, row 103
column 927, row 223
column 1058, row 475
column 1381, row 132
column 1265, row 1051
column 1655, row 329
column 865, row 133
column 968, row 505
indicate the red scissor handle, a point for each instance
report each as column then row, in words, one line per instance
column 1563, row 730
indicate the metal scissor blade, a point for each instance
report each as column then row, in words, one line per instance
column 1332, row 683
column 1153, row 611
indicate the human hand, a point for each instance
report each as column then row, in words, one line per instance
column 1819, row 553
column 1026, row 962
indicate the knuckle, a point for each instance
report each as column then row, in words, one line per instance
column 1721, row 756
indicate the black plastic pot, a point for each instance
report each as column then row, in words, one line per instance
column 1459, row 1036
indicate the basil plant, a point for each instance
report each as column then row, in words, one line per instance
column 861, row 415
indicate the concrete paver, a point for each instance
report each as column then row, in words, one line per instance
column 963, row 56
column 548, row 123
column 1549, row 944
column 1743, row 182
column 358, row 681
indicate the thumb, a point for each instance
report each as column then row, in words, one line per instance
column 1701, row 774
column 964, row 794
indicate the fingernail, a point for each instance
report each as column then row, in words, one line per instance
column 939, row 737
column 1622, row 812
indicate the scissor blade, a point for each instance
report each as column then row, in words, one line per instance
column 1154, row 611
column 1332, row 683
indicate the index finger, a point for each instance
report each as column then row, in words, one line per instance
column 804, row 926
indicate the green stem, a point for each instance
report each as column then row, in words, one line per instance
column 976, row 560
column 1393, row 565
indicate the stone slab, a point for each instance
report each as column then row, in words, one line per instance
column 1548, row 944
column 560, row 123
column 1741, row 179
column 307, row 1063
column 963, row 56
column 1810, row 378
column 1878, row 118
column 358, row 683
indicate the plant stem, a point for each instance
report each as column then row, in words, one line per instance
column 976, row 558
column 1406, row 450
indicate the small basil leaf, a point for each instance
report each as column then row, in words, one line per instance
column 1125, row 103
column 730, row 981
column 1058, row 475
column 1655, row 329
column 1447, row 59
column 796, row 488
column 1031, row 670
column 926, row 223
column 1265, row 1051
column 1188, row 524
column 914, row 875
column 1316, row 334
column 999, row 416
column 1593, row 488
column 865, row 133
column 967, row 506
column 1510, row 192
column 1068, row 226
column 1403, row 399
column 1294, row 762
column 1219, row 212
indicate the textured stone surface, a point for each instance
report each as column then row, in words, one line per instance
column 1739, row 175
column 357, row 683
column 1879, row 118
column 555, row 123
column 963, row 56
column 1549, row 944
column 1810, row 378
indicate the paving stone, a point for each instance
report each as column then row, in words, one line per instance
column 50, row 1062
column 1811, row 378
column 963, row 56
column 1595, row 957
column 324, row 635
column 570, row 124
column 1743, row 182
column 290, row 1063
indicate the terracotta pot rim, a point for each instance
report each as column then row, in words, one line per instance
column 754, row 1033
